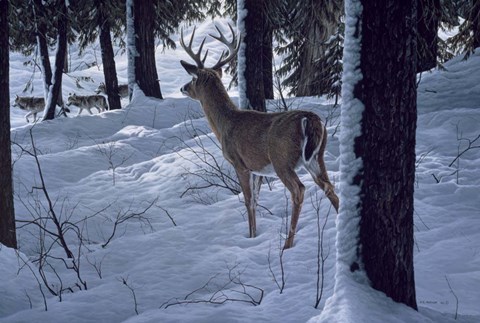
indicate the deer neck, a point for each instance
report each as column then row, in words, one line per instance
column 219, row 110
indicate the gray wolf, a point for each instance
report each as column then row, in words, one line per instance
column 31, row 104
column 122, row 89
column 88, row 102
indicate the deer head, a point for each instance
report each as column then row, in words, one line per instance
column 202, row 76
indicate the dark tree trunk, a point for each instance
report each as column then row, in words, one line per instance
column 475, row 19
column 145, row 69
column 43, row 47
column 56, row 88
column 387, row 145
column 7, row 214
column 109, row 70
column 428, row 22
column 267, row 57
column 254, row 25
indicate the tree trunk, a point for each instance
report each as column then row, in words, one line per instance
column 428, row 22
column 312, row 50
column 43, row 47
column 56, row 88
column 387, row 145
column 254, row 25
column 267, row 57
column 145, row 69
column 475, row 19
column 131, row 50
column 109, row 70
column 7, row 214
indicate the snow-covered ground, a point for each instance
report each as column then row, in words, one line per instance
column 183, row 243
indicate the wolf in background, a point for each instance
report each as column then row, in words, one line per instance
column 31, row 104
column 122, row 89
column 87, row 102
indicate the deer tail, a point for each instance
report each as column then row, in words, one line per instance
column 314, row 137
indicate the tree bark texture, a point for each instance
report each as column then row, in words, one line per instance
column 56, row 88
column 387, row 145
column 145, row 68
column 109, row 69
column 254, row 27
column 267, row 62
column 7, row 214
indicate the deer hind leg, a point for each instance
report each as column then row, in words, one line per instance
column 297, row 190
column 317, row 169
column 250, row 194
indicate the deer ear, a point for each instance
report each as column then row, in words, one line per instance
column 191, row 69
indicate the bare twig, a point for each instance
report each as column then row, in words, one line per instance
column 124, row 216
column 26, row 264
column 321, row 254
column 113, row 155
column 232, row 290
column 279, row 282
column 124, row 281
column 454, row 295
column 470, row 145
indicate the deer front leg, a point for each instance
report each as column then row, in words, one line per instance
column 245, row 177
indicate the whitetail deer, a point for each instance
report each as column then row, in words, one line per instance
column 255, row 142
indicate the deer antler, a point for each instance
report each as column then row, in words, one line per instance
column 232, row 46
column 196, row 57
column 226, row 56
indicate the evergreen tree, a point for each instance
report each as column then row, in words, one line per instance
column 468, row 37
column 429, row 13
column 7, row 215
column 329, row 67
column 305, row 27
